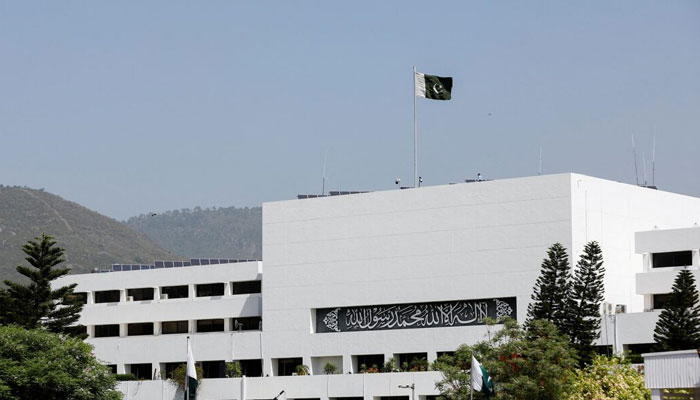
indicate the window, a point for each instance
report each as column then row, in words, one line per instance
column 251, row 367
column 140, row 294
column 672, row 259
column 170, row 327
column 247, row 324
column 367, row 361
column 661, row 301
column 172, row 366
column 288, row 366
column 79, row 296
column 210, row 289
column 141, row 371
column 213, row 369
column 413, row 361
column 140, row 329
column 445, row 353
column 106, row 330
column 246, row 287
column 112, row 368
column 210, row 325
column 107, row 296
column 176, row 292
column 636, row 351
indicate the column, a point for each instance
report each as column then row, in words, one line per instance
column 90, row 298
column 192, row 326
column 347, row 364
column 156, row 293
column 227, row 288
column 123, row 330
column 432, row 356
column 191, row 291
column 306, row 360
column 696, row 258
column 227, row 324
column 122, row 295
column 157, row 327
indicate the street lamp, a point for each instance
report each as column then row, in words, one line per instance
column 276, row 397
column 413, row 389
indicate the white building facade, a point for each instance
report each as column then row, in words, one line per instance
column 357, row 280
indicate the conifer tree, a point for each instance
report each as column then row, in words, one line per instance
column 586, row 297
column 552, row 291
column 36, row 304
column 678, row 327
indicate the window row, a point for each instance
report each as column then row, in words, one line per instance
column 210, row 369
column 172, row 292
column 367, row 363
column 672, row 259
column 172, row 327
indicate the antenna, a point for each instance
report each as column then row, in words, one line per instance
column 653, row 159
column 323, row 188
column 634, row 152
column 539, row 168
column 644, row 163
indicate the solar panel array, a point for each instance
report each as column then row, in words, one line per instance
column 175, row 264
column 331, row 193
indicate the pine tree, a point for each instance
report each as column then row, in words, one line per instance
column 586, row 297
column 678, row 327
column 36, row 304
column 552, row 291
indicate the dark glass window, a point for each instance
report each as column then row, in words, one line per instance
column 251, row 367
column 636, row 351
column 672, row 259
column 370, row 361
column 112, row 368
column 213, row 369
column 176, row 292
column 210, row 289
column 106, row 330
column 140, row 329
column 141, row 371
column 210, row 325
column 413, row 361
column 170, row 367
column 247, row 324
column 79, row 296
column 288, row 366
column 661, row 300
column 169, row 327
column 445, row 353
column 140, row 294
column 107, row 296
column 246, row 287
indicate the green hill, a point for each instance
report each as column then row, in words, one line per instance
column 213, row 232
column 91, row 240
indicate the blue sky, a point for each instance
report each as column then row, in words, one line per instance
column 131, row 107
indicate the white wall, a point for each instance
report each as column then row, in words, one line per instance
column 456, row 242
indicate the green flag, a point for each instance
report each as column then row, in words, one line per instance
column 191, row 383
column 481, row 381
column 433, row 87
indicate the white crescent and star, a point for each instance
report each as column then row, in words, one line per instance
column 437, row 88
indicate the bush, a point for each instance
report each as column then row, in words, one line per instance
column 125, row 377
column 36, row 364
column 233, row 369
column 179, row 376
column 329, row 369
column 302, row 370
column 609, row 379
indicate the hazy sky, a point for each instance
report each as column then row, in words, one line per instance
column 131, row 107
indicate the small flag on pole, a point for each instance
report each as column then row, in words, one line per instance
column 481, row 381
column 433, row 87
column 191, row 384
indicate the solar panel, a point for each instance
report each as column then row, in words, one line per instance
column 194, row 261
column 204, row 261
column 126, row 267
column 156, row 266
column 145, row 266
column 177, row 264
column 213, row 261
column 116, row 267
column 186, row 263
column 159, row 264
column 223, row 261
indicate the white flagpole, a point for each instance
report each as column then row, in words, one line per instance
column 187, row 378
column 415, row 133
column 471, row 383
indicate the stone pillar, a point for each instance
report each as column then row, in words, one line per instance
column 227, row 324
column 123, row 330
column 432, row 356
column 306, row 360
column 696, row 258
column 192, row 326
column 90, row 298
column 347, row 364
column 227, row 288
column 191, row 291
column 157, row 327
column 122, row 295
column 156, row 293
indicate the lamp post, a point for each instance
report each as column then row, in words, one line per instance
column 276, row 397
column 413, row 389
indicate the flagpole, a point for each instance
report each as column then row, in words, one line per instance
column 187, row 378
column 415, row 133
column 471, row 383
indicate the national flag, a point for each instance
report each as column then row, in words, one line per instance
column 433, row 87
column 481, row 381
column 191, row 383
